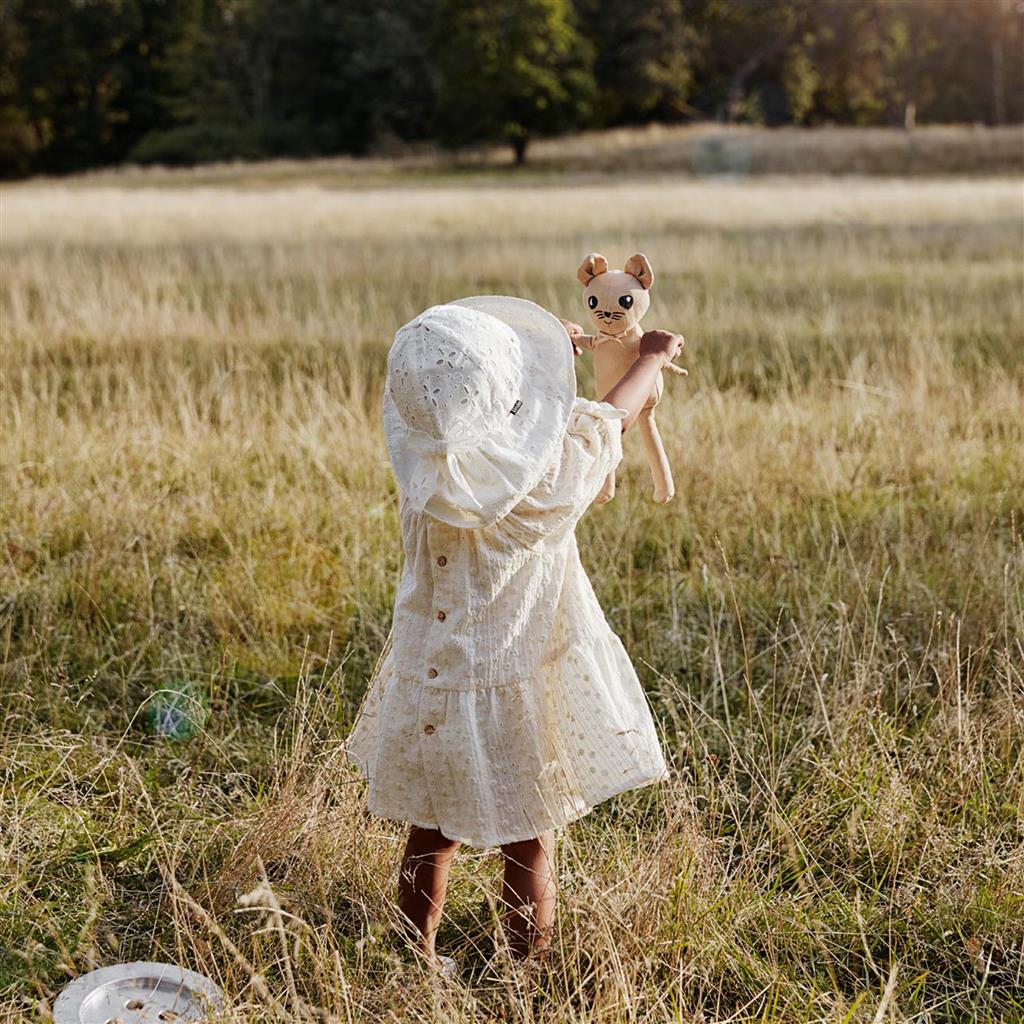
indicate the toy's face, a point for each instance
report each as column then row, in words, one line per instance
column 616, row 300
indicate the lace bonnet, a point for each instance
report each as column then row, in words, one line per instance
column 476, row 402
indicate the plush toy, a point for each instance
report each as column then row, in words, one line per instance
column 617, row 300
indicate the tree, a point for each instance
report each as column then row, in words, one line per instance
column 18, row 141
column 852, row 62
column 643, row 58
column 91, row 82
column 509, row 72
column 963, row 61
column 295, row 77
column 69, row 75
column 936, row 60
column 82, row 80
column 362, row 75
column 750, row 50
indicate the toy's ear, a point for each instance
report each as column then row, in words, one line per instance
column 640, row 267
column 593, row 265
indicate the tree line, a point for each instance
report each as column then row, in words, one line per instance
column 86, row 83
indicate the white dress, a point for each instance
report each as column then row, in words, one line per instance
column 506, row 705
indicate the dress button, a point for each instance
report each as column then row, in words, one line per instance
column 428, row 729
column 441, row 616
column 432, row 673
column 442, row 561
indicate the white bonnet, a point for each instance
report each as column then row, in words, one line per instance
column 476, row 403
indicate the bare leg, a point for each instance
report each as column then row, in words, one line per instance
column 423, row 882
column 529, row 893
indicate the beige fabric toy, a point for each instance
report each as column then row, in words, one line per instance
column 617, row 301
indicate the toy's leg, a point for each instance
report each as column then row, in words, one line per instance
column 607, row 491
column 661, row 472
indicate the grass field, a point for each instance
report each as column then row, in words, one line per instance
column 679, row 150
column 829, row 619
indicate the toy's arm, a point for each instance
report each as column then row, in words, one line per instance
column 580, row 341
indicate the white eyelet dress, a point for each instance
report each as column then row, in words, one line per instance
column 506, row 706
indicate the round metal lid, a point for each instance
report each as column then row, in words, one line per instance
column 139, row 993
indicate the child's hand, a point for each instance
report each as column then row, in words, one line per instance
column 664, row 344
column 657, row 350
column 574, row 331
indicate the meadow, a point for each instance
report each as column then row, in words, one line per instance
column 828, row 619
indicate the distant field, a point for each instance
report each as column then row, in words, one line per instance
column 700, row 150
column 829, row 619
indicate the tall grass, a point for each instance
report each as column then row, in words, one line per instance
column 829, row 619
column 695, row 150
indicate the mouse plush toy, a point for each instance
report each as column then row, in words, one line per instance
column 617, row 300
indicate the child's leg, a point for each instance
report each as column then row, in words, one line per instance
column 423, row 881
column 530, row 892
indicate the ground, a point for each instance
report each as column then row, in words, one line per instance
column 828, row 620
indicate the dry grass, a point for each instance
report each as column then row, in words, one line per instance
column 699, row 150
column 414, row 220
column 829, row 619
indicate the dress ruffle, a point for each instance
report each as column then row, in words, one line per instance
column 503, row 763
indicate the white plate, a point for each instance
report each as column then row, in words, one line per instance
column 139, row 993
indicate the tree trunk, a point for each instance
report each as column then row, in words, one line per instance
column 737, row 84
column 519, row 144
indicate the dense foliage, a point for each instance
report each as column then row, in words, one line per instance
column 91, row 82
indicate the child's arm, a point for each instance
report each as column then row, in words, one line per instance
column 657, row 350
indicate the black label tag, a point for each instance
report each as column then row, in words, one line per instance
column 515, row 408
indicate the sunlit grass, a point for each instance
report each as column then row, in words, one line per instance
column 829, row 619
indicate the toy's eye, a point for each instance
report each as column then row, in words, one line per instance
column 592, row 302
column 626, row 301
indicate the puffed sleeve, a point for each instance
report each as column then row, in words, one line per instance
column 591, row 449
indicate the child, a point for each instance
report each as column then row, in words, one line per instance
column 505, row 707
